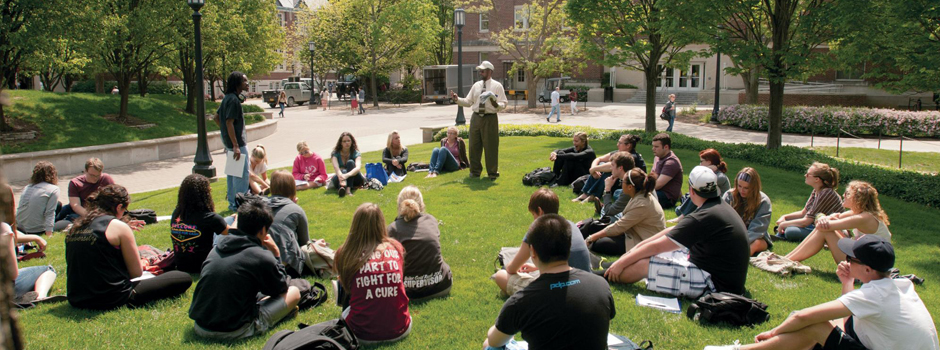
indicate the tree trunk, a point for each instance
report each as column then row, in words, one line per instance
column 531, row 87
column 375, row 94
column 211, row 90
column 68, row 81
column 190, row 97
column 124, row 86
column 651, row 77
column 142, row 82
column 775, row 117
column 751, row 83
column 3, row 120
column 99, row 83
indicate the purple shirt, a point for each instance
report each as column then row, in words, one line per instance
column 670, row 166
column 454, row 149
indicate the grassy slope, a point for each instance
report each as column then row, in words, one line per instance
column 477, row 217
column 917, row 161
column 76, row 119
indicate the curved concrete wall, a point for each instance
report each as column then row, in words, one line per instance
column 19, row 167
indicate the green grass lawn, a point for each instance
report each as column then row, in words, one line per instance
column 477, row 217
column 67, row 120
column 928, row 162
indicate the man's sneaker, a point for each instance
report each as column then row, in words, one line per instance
column 548, row 119
column 735, row 346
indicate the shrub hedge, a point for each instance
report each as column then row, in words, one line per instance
column 910, row 186
column 828, row 120
column 154, row 87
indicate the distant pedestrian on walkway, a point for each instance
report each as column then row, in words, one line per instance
column 353, row 100
column 362, row 100
column 671, row 109
column 573, row 97
column 556, row 105
column 324, row 98
column 486, row 98
column 231, row 121
column 282, row 101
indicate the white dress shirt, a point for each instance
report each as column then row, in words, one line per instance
column 473, row 97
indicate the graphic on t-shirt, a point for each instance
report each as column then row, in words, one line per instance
column 182, row 232
column 378, row 283
column 564, row 284
column 310, row 169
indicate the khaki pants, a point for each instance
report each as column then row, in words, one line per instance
column 484, row 138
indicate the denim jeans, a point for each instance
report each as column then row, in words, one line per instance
column 235, row 184
column 442, row 161
column 672, row 120
column 595, row 187
column 664, row 201
column 26, row 278
column 797, row 234
column 556, row 109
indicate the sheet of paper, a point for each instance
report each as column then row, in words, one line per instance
column 234, row 167
column 143, row 276
column 300, row 182
column 665, row 304
column 613, row 340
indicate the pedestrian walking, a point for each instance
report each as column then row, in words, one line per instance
column 671, row 109
column 353, row 100
column 324, row 98
column 556, row 105
column 282, row 101
column 573, row 97
column 486, row 98
column 362, row 99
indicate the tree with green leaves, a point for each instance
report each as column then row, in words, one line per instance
column 332, row 46
column 645, row 35
column 744, row 39
column 21, row 23
column 540, row 45
column 443, row 49
column 246, row 34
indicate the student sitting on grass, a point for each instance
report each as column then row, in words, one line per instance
column 824, row 200
column 244, row 263
column 370, row 267
column 642, row 217
column 613, row 201
column 884, row 313
column 865, row 217
column 289, row 229
column 35, row 214
column 668, row 170
column 395, row 155
column 31, row 284
column 451, row 156
column 565, row 308
column 572, row 162
column 194, row 224
column 426, row 273
column 347, row 162
column 712, row 159
column 258, row 170
column 518, row 273
column 753, row 206
column 80, row 188
column 101, row 258
column 600, row 169
column 706, row 252
column 309, row 167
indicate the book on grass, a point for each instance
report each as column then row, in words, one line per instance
column 664, row 304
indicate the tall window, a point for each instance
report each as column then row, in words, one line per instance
column 280, row 18
column 484, row 22
column 520, row 76
column 521, row 17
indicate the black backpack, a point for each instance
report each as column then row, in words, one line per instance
column 148, row 216
column 329, row 335
column 577, row 186
column 538, row 177
column 726, row 307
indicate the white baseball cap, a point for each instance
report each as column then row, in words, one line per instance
column 704, row 181
column 485, row 65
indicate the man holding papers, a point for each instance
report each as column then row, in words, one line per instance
column 231, row 122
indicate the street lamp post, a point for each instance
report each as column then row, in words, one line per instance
column 203, row 161
column 714, row 118
column 460, row 18
column 310, row 105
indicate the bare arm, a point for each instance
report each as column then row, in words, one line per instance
column 119, row 234
column 655, row 246
column 662, row 180
column 230, row 125
column 808, row 317
column 76, row 205
column 495, row 338
column 517, row 261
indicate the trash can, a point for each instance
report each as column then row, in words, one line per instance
column 609, row 94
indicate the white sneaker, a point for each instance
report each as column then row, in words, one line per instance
column 735, row 346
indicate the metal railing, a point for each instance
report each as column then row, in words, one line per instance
column 799, row 86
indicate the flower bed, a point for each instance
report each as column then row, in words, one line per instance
column 828, row 120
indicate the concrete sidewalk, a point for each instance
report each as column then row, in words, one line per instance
column 322, row 128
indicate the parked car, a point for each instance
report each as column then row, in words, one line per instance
column 298, row 93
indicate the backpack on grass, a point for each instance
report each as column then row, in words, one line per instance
column 148, row 216
column 329, row 335
column 730, row 308
column 538, row 177
column 577, row 186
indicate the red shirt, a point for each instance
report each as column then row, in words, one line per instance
column 312, row 165
column 378, row 306
column 81, row 188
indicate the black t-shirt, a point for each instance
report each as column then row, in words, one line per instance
column 568, row 310
column 231, row 108
column 426, row 273
column 192, row 238
column 717, row 242
column 97, row 275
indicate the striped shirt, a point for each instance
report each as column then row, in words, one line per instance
column 825, row 201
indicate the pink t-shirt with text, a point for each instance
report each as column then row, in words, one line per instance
column 378, row 306
column 312, row 165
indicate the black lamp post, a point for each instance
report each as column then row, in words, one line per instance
column 203, row 161
column 312, row 46
column 714, row 118
column 460, row 18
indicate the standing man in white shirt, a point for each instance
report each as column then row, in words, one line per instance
column 884, row 313
column 486, row 98
column 556, row 106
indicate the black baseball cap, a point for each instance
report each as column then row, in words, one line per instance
column 871, row 250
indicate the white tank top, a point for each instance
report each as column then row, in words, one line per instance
column 881, row 232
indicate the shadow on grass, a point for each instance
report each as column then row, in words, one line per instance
column 66, row 311
column 477, row 184
column 190, row 337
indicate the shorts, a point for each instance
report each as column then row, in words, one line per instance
column 511, row 345
column 672, row 273
column 26, row 279
column 842, row 340
column 519, row 281
column 270, row 311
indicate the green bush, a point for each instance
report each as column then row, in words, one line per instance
column 626, row 86
column 905, row 185
column 154, row 87
column 829, row 120
column 249, row 108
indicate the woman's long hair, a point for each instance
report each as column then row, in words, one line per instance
column 195, row 196
column 712, row 156
column 828, row 175
column 746, row 207
column 44, row 172
column 102, row 202
column 339, row 144
column 642, row 182
column 866, row 198
column 410, row 203
column 365, row 234
column 234, row 82
column 388, row 144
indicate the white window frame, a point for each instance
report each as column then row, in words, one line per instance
column 520, row 11
column 484, row 18
column 520, row 75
